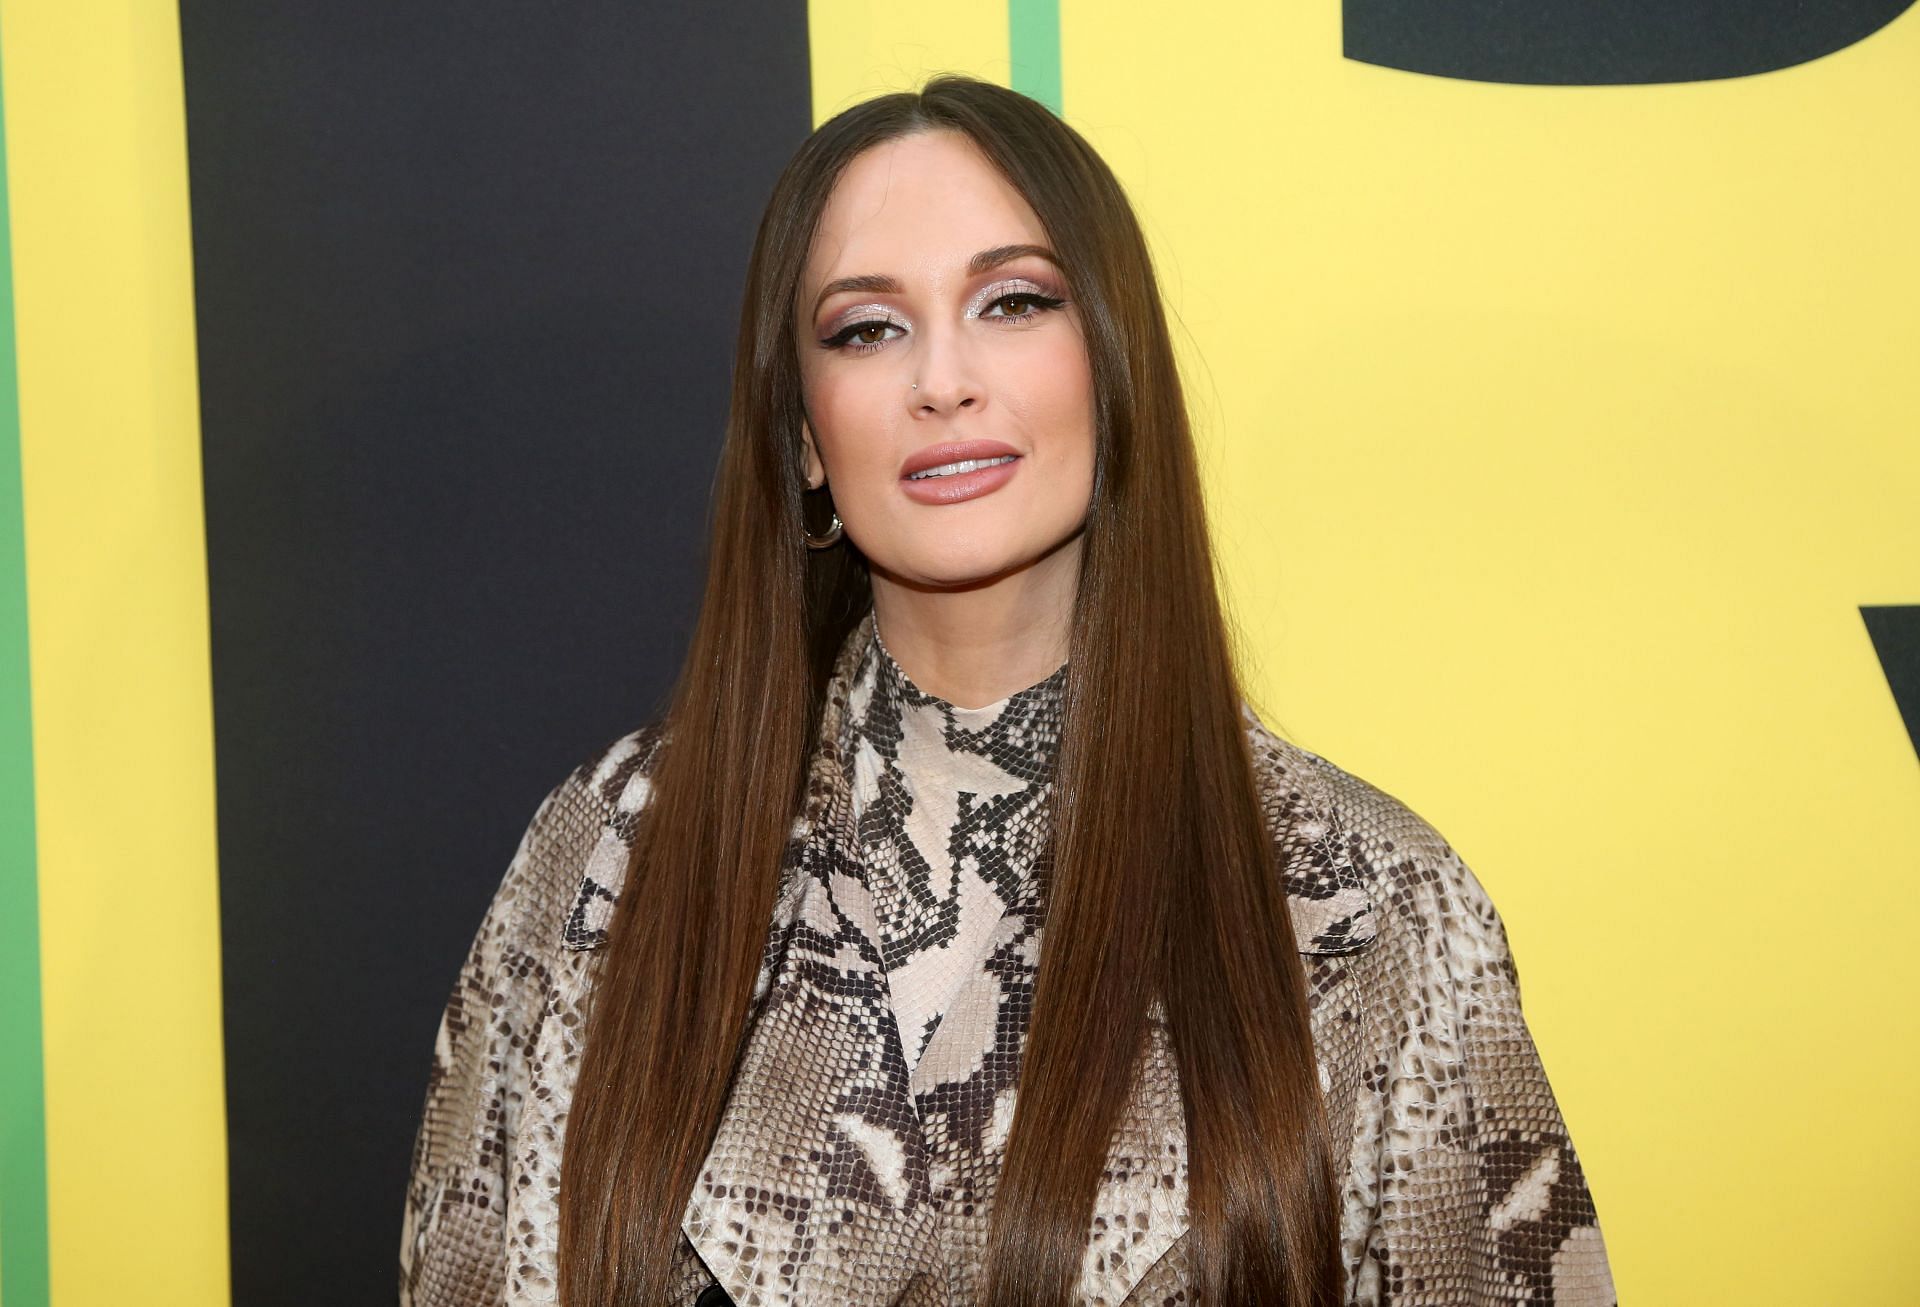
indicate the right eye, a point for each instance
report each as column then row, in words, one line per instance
column 860, row 337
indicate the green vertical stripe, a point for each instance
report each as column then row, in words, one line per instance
column 1033, row 40
column 23, row 1106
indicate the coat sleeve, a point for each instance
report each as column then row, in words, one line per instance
column 453, row 1238
column 1482, row 1201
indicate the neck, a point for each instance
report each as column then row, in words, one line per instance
column 978, row 644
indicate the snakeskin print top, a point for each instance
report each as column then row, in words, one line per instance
column 951, row 808
column 856, row 1159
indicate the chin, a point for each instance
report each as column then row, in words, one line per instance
column 956, row 568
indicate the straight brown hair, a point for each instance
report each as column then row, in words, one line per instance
column 1164, row 881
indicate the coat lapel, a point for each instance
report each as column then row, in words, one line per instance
column 835, row 1174
column 817, row 1185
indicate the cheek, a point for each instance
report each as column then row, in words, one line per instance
column 1060, row 386
column 842, row 405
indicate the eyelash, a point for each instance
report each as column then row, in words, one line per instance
column 843, row 339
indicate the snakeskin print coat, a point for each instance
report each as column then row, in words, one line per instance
column 856, row 1168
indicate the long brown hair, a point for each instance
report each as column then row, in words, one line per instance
column 1163, row 880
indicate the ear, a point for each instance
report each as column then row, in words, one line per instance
column 816, row 470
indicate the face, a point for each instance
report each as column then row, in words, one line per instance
column 997, row 353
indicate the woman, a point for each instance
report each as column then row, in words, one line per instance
column 773, row 967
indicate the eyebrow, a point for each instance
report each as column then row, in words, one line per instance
column 879, row 283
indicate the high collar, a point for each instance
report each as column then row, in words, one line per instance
column 841, row 1171
column 952, row 821
column 1019, row 732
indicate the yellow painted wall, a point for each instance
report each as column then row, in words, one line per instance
column 122, row 696
column 1555, row 436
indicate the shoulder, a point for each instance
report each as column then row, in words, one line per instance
column 614, row 778
column 584, row 822
column 1336, row 829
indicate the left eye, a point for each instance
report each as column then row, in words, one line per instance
column 1041, row 303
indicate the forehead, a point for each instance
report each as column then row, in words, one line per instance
column 917, row 204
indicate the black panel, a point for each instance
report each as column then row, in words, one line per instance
column 467, row 281
column 1603, row 42
column 1895, row 632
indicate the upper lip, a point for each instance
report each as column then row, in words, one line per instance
column 953, row 451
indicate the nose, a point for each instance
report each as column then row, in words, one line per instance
column 944, row 377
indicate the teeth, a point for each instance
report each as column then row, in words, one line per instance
column 954, row 469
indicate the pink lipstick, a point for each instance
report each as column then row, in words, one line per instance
column 958, row 470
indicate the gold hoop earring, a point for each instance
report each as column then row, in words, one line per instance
column 834, row 532
column 831, row 538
